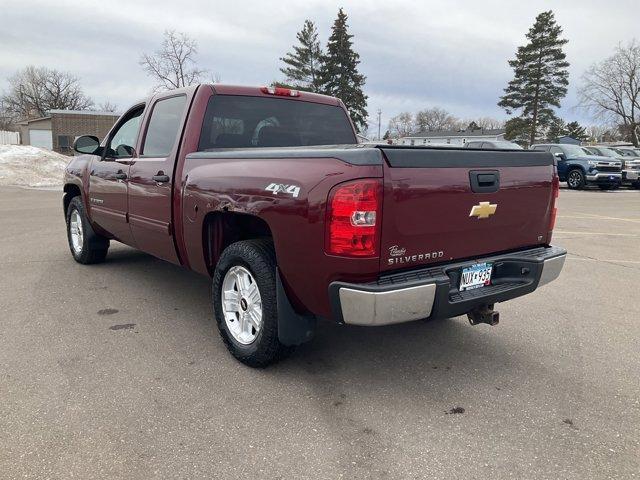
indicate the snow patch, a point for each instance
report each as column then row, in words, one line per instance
column 27, row 166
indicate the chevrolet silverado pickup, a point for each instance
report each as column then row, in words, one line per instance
column 266, row 191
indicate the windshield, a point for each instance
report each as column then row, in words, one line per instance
column 507, row 145
column 233, row 121
column 607, row 152
column 574, row 151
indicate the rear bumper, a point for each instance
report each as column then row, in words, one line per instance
column 433, row 292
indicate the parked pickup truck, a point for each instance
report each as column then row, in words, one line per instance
column 579, row 168
column 266, row 191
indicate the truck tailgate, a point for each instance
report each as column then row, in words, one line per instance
column 448, row 204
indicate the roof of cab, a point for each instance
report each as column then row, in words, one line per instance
column 220, row 89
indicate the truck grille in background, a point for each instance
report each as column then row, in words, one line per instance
column 607, row 168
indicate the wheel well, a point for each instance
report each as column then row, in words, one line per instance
column 70, row 191
column 221, row 229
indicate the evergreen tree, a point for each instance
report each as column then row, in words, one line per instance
column 517, row 130
column 577, row 131
column 540, row 76
column 339, row 74
column 303, row 64
column 556, row 130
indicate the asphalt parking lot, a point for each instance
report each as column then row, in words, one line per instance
column 117, row 371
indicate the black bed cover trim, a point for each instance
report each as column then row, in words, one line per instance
column 397, row 156
column 421, row 157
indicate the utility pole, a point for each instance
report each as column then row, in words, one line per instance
column 379, row 118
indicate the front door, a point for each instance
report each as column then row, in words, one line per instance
column 561, row 162
column 109, row 175
column 151, row 178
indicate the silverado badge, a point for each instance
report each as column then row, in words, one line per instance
column 483, row 210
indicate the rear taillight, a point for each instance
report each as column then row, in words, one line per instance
column 555, row 187
column 280, row 91
column 353, row 218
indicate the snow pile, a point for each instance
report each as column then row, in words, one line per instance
column 26, row 166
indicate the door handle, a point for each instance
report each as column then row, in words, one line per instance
column 161, row 178
column 121, row 175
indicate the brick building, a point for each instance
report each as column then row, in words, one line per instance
column 59, row 129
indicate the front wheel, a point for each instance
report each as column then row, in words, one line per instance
column 245, row 305
column 575, row 179
column 86, row 245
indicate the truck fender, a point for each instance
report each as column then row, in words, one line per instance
column 293, row 328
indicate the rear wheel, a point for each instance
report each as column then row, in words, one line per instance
column 244, row 302
column 86, row 245
column 575, row 179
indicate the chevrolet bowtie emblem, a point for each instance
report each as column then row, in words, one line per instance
column 483, row 210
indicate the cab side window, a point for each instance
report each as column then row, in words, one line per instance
column 123, row 140
column 163, row 126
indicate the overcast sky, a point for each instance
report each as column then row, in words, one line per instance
column 415, row 54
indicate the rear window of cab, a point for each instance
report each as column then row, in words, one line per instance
column 233, row 121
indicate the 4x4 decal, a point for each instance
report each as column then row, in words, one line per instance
column 276, row 188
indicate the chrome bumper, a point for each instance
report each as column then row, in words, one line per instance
column 385, row 308
column 375, row 304
column 604, row 176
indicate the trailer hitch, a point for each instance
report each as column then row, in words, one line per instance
column 484, row 314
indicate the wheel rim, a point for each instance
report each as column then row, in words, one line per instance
column 242, row 305
column 75, row 229
column 574, row 179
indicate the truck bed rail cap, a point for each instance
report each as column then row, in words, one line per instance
column 424, row 157
column 353, row 154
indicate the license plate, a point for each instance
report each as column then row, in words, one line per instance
column 632, row 175
column 476, row 276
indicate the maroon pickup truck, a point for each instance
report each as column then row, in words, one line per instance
column 266, row 191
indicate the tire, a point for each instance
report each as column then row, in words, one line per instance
column 244, row 268
column 575, row 179
column 88, row 247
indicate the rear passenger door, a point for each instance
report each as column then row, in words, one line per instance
column 151, row 176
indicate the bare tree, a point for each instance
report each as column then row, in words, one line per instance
column 401, row 125
column 436, row 119
column 489, row 123
column 35, row 90
column 108, row 107
column 611, row 89
column 174, row 65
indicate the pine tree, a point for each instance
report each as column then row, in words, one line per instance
column 577, row 131
column 556, row 129
column 517, row 130
column 540, row 76
column 303, row 64
column 339, row 74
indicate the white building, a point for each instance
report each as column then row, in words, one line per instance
column 451, row 137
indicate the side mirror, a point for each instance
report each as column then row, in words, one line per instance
column 87, row 144
column 559, row 156
column 123, row 151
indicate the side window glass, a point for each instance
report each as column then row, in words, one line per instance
column 163, row 126
column 124, row 138
column 555, row 150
